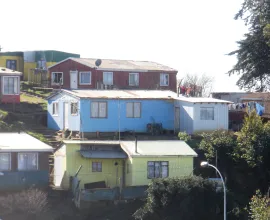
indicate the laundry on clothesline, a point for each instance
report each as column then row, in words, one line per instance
column 248, row 107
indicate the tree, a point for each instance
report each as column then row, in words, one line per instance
column 259, row 207
column 201, row 86
column 253, row 63
column 181, row 198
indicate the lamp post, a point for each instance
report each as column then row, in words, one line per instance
column 206, row 164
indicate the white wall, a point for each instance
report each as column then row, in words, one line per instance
column 221, row 117
column 186, row 116
column 59, row 166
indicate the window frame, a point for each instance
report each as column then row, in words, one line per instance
column 18, row 83
column 104, row 77
column 37, row 158
column 9, row 60
column 80, row 83
column 160, row 81
column 133, row 107
column 136, row 74
column 160, row 170
column 207, row 119
column 77, row 112
column 53, row 103
column 53, row 83
column 96, row 170
column 9, row 154
column 98, row 117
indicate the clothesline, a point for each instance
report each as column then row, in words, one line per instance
column 248, row 107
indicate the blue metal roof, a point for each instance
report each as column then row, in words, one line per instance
column 103, row 154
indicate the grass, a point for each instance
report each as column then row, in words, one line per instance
column 32, row 99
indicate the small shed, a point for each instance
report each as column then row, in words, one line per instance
column 202, row 114
column 9, row 85
column 24, row 161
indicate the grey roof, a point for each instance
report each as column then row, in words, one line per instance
column 122, row 94
column 202, row 100
column 157, row 148
column 103, row 154
column 121, row 65
column 22, row 142
column 5, row 71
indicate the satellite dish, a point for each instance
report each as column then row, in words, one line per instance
column 98, row 62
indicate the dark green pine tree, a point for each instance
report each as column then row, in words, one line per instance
column 253, row 54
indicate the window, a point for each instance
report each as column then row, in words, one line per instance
column 98, row 109
column 164, row 79
column 4, row 161
column 55, row 108
column 85, row 78
column 27, row 161
column 57, row 78
column 96, row 167
column 134, row 79
column 157, row 169
column 133, row 110
column 74, row 108
column 11, row 85
column 11, row 64
column 108, row 78
column 207, row 113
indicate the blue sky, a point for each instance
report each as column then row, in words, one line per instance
column 191, row 36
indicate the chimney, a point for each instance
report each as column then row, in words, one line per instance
column 136, row 150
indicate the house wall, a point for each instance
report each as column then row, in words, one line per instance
column 178, row 166
column 57, row 122
column 18, row 180
column 9, row 98
column 221, row 117
column 18, row 58
column 231, row 97
column 128, row 172
column 110, row 173
column 147, row 80
column 60, row 166
column 186, row 116
column 157, row 111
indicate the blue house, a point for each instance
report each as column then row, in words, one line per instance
column 111, row 110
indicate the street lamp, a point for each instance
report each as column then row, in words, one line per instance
column 206, row 164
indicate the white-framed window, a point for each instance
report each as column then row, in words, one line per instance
column 96, row 166
column 11, row 85
column 57, row 78
column 55, row 108
column 85, row 78
column 133, row 109
column 108, row 78
column 5, row 161
column 74, row 108
column 27, row 161
column 98, row 109
column 133, row 79
column 164, row 79
column 207, row 113
column 157, row 169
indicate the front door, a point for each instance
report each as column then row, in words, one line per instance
column 65, row 115
column 73, row 79
column 177, row 119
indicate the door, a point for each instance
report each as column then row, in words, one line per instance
column 177, row 119
column 73, row 79
column 65, row 115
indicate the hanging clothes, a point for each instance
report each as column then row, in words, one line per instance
column 259, row 109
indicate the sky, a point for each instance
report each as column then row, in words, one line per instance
column 190, row 36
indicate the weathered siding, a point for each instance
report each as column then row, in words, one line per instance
column 57, row 122
column 110, row 173
column 158, row 111
column 147, row 80
column 178, row 166
column 221, row 118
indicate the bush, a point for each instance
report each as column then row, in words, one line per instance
column 30, row 202
column 187, row 198
column 184, row 136
column 259, row 209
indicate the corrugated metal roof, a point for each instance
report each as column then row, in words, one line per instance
column 122, row 65
column 103, row 154
column 158, row 148
column 202, row 100
column 6, row 71
column 123, row 94
column 22, row 142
